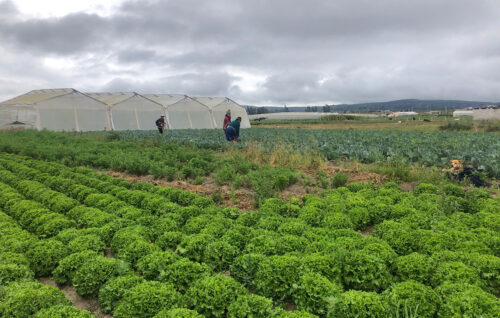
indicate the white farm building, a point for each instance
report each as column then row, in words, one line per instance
column 486, row 114
column 462, row 112
column 70, row 110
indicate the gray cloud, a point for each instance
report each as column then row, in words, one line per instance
column 194, row 84
column 303, row 51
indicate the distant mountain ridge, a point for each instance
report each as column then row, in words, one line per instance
column 395, row 105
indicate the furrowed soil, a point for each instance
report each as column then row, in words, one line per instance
column 90, row 304
column 243, row 198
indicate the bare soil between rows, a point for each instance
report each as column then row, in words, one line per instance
column 90, row 304
column 243, row 198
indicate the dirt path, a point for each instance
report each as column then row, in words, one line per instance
column 78, row 301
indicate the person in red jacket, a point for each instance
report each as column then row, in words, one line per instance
column 227, row 120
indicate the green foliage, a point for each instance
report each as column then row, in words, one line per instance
column 464, row 300
column 193, row 246
column 412, row 296
column 178, row 313
column 212, row 295
column 220, row 254
column 456, row 272
column 312, row 293
column 358, row 304
column 339, row 179
column 312, row 215
column 90, row 242
column 183, row 273
column 360, row 217
column 63, row 311
column 328, row 265
column 151, row 265
column 13, row 258
column 335, row 221
column 425, row 188
column 24, row 299
column 365, row 271
column 456, row 126
column 244, row 268
column 69, row 265
column 136, row 250
column 414, row 266
column 281, row 207
column 51, row 224
column 147, row 299
column 14, row 272
column 125, row 236
column 277, row 275
column 401, row 237
column 251, row 306
column 94, row 272
column 169, row 240
column 112, row 292
column 295, row 314
column 45, row 255
column 290, row 243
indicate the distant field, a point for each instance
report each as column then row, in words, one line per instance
column 427, row 148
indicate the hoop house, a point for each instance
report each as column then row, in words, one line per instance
column 130, row 111
column 183, row 112
column 56, row 109
column 220, row 105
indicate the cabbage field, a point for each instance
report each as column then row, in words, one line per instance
column 427, row 148
column 143, row 250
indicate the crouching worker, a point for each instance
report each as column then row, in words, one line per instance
column 233, row 130
column 160, row 124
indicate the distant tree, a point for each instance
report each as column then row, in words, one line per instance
column 251, row 110
column 309, row 109
column 326, row 108
column 315, row 109
column 286, row 109
column 262, row 110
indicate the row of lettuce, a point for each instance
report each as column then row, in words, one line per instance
column 433, row 252
column 169, row 161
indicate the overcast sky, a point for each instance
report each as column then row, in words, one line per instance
column 257, row 52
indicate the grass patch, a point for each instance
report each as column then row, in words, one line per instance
column 457, row 126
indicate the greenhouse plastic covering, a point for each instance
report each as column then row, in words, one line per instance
column 70, row 110
column 220, row 105
column 131, row 111
column 183, row 112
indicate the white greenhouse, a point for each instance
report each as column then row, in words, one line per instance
column 219, row 107
column 131, row 111
column 462, row 112
column 56, row 109
column 183, row 112
column 70, row 110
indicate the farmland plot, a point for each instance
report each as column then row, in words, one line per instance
column 427, row 148
column 433, row 251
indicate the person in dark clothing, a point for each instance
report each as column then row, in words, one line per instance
column 227, row 120
column 160, row 123
column 233, row 130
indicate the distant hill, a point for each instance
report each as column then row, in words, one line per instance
column 395, row 105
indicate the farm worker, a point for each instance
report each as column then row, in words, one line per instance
column 233, row 130
column 227, row 119
column 160, row 123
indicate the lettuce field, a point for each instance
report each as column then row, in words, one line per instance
column 142, row 250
